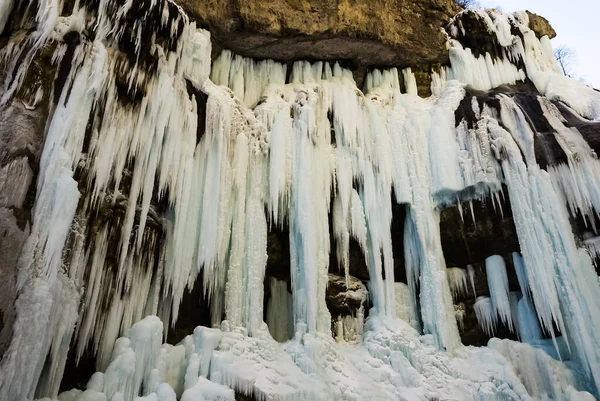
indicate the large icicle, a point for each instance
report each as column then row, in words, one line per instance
column 499, row 292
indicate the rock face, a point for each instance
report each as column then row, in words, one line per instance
column 369, row 32
column 540, row 25
column 22, row 121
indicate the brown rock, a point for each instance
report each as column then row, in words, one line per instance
column 540, row 26
column 368, row 32
column 345, row 298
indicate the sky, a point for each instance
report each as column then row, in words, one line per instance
column 577, row 25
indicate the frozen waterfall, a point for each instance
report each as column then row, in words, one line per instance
column 163, row 172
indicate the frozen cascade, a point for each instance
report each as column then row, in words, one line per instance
column 554, row 264
column 573, row 180
column 277, row 152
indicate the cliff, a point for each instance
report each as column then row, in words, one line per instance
column 304, row 200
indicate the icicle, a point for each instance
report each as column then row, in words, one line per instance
column 498, row 284
column 497, row 196
column 459, row 313
column 471, row 273
column 487, row 317
column 457, row 278
column 519, row 265
column 410, row 82
column 472, row 211
column 529, row 328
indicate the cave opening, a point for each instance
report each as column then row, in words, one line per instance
column 77, row 373
column 194, row 310
column 397, row 232
column 471, row 232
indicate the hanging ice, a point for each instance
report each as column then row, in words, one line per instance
column 498, row 284
column 457, row 278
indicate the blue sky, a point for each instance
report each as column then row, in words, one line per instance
column 577, row 24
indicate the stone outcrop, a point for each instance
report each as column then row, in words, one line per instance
column 368, row 32
column 540, row 25
column 345, row 297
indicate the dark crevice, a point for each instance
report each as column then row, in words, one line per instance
column 397, row 232
column 194, row 311
column 278, row 272
column 467, row 242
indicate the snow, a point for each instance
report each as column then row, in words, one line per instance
column 393, row 362
column 205, row 390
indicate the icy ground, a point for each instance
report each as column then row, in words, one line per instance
column 392, row 363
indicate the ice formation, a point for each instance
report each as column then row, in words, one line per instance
column 498, row 284
column 231, row 149
column 457, row 278
column 486, row 314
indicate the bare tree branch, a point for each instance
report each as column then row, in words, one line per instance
column 468, row 3
column 565, row 57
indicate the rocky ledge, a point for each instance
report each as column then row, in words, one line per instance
column 364, row 33
column 369, row 32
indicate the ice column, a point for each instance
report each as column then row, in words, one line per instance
column 309, row 232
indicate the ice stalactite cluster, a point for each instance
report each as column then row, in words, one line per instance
column 160, row 170
column 457, row 278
